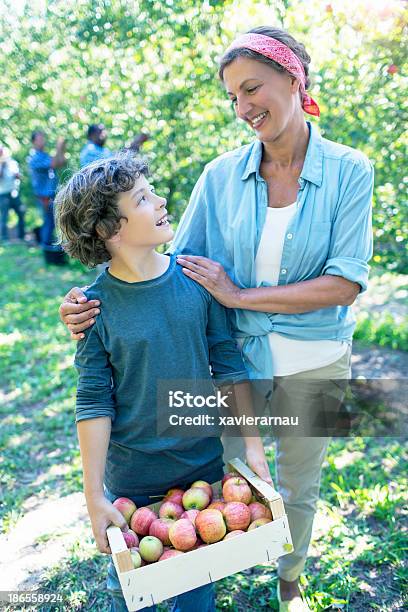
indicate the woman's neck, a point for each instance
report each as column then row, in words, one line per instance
column 291, row 146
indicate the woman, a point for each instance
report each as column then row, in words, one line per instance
column 279, row 231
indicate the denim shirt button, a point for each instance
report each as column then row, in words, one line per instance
column 289, row 236
column 283, row 271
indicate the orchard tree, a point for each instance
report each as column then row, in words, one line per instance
column 152, row 65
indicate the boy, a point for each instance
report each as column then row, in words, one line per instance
column 156, row 324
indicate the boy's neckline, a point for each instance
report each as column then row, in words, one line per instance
column 150, row 281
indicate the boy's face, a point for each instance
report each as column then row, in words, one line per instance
column 147, row 224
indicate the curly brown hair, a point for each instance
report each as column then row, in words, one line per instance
column 277, row 33
column 86, row 207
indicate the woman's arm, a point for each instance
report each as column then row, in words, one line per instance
column 304, row 296
column 343, row 276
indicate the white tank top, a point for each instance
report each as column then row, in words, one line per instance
column 289, row 356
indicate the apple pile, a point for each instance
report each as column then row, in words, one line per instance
column 187, row 520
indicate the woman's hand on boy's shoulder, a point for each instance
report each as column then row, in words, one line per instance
column 77, row 313
column 103, row 514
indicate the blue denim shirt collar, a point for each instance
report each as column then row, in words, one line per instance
column 312, row 168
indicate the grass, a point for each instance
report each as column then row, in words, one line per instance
column 382, row 312
column 357, row 557
column 37, row 382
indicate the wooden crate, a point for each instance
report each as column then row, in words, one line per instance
column 151, row 584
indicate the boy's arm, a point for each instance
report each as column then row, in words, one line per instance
column 240, row 405
column 95, row 409
column 94, row 437
column 228, row 368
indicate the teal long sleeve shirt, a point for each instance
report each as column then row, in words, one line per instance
column 167, row 328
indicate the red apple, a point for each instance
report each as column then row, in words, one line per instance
column 210, row 526
column 170, row 510
column 258, row 510
column 131, row 538
column 160, row 529
column 237, row 490
column 198, row 544
column 217, row 504
column 258, row 523
column 136, row 558
column 236, row 515
column 125, row 506
column 168, row 554
column 191, row 515
column 150, row 549
column 141, row 520
column 227, row 476
column 234, row 533
column 195, row 499
column 202, row 484
column 182, row 535
column 174, row 495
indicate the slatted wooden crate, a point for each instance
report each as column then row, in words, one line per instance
column 156, row 582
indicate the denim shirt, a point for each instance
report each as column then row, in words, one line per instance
column 331, row 233
column 92, row 152
column 43, row 176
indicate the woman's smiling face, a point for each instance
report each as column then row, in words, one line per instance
column 261, row 96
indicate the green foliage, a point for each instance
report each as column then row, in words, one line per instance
column 382, row 329
column 382, row 311
column 152, row 65
column 364, row 108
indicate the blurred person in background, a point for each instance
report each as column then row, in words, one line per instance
column 9, row 194
column 95, row 147
column 45, row 180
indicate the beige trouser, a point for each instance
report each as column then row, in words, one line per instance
column 298, row 461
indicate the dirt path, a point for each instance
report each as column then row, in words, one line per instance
column 40, row 540
column 377, row 362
